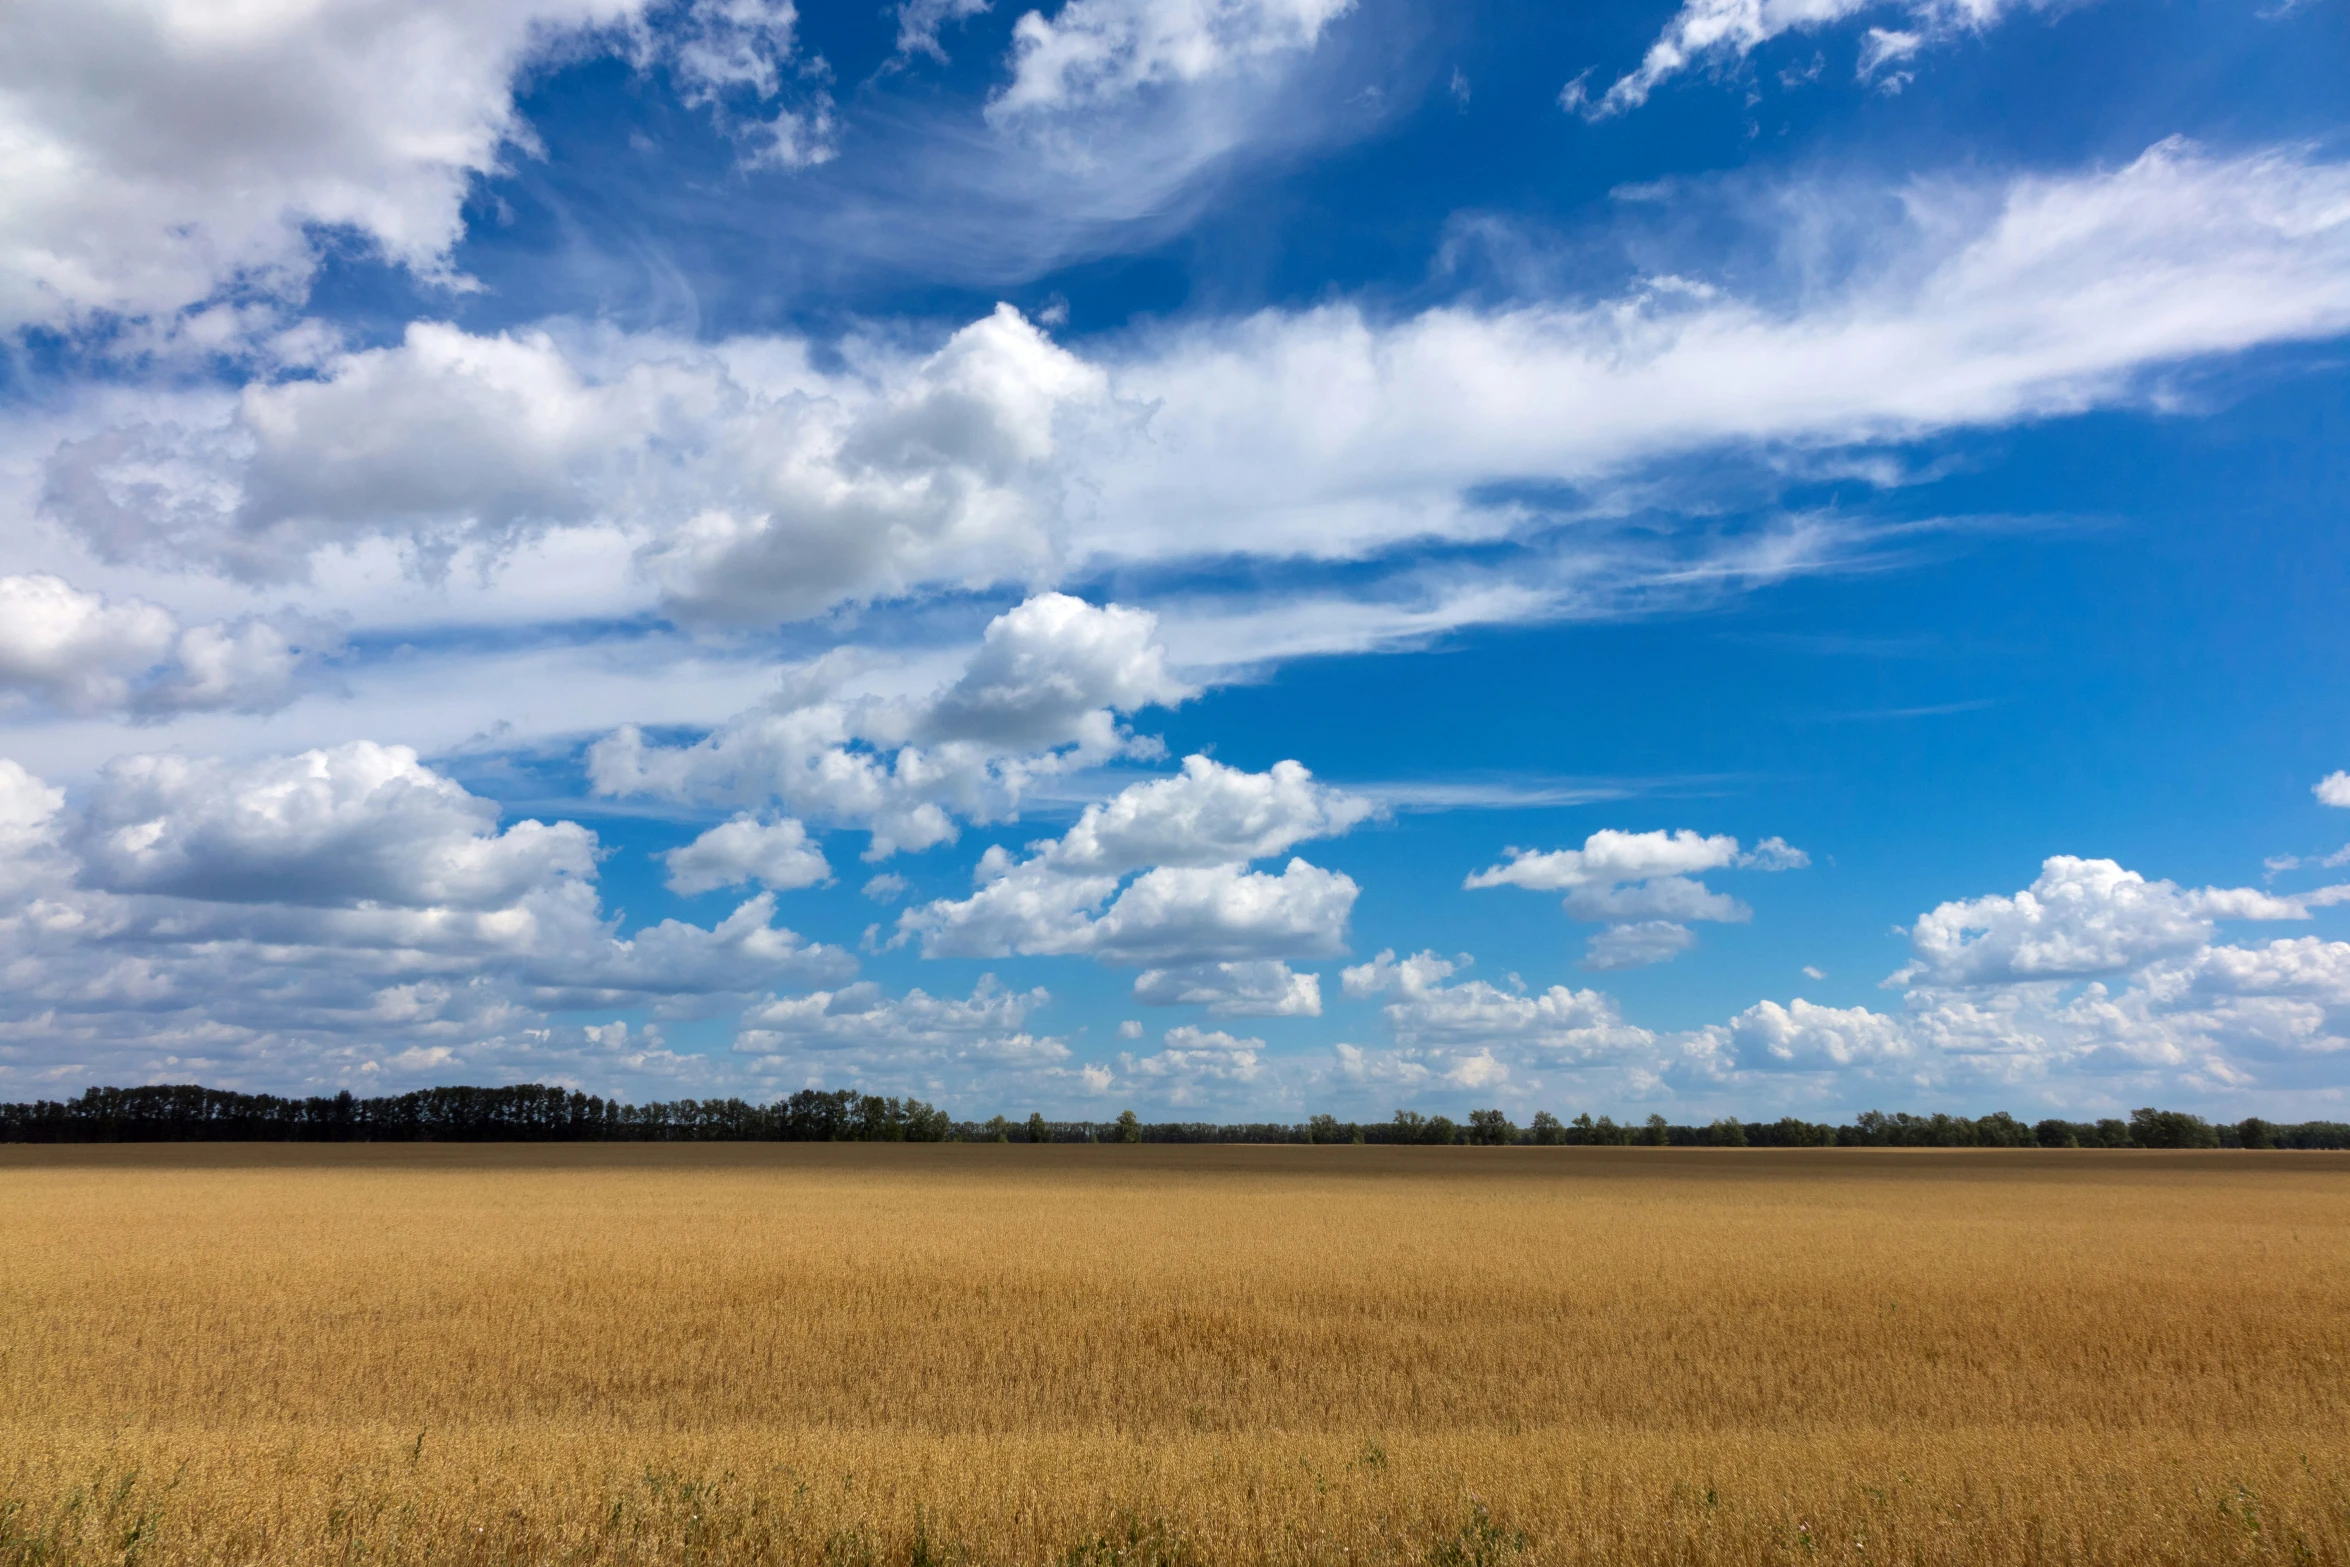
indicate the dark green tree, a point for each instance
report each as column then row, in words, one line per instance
column 1545, row 1130
column 2152, row 1128
column 2055, row 1134
column 1656, row 1134
column 1129, row 1128
column 1491, row 1129
column 1038, row 1132
column 1727, row 1133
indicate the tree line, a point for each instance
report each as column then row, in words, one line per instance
column 532, row 1112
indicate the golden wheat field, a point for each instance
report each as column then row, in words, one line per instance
column 710, row 1353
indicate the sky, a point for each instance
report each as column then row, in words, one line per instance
column 1230, row 558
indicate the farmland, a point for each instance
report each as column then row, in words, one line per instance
column 731, row 1352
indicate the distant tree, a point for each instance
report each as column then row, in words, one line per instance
column 1606, row 1134
column 1409, row 1126
column 1546, row 1130
column 2055, row 1134
column 997, row 1130
column 2253, row 1132
column 1795, row 1132
column 1727, row 1133
column 924, row 1123
column 1325, row 1129
column 2001, row 1130
column 1655, row 1133
column 2152, row 1128
column 1038, row 1132
column 1441, row 1129
column 1491, row 1129
column 2111, row 1133
column 1129, row 1128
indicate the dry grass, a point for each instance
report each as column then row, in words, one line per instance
column 930, row 1354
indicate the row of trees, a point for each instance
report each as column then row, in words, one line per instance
column 531, row 1112
column 528, row 1112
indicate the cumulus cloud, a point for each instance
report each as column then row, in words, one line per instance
column 2079, row 918
column 862, row 1017
column 1609, row 857
column 2094, row 984
column 1208, row 814
column 2333, row 789
column 1093, row 50
column 1053, row 672
column 1556, row 1024
column 1041, row 695
column 157, row 151
column 1640, row 886
column 1258, row 989
column 347, row 915
column 776, row 854
column 1193, row 1064
column 1716, row 34
column 362, row 824
column 759, row 489
column 1172, row 914
column 1197, row 902
column 1801, row 1036
column 80, row 653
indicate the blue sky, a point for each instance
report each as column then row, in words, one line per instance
column 1230, row 557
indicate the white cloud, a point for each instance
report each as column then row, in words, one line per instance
column 343, row 916
column 1719, row 33
column 1880, row 47
column 1310, row 433
column 1997, row 1008
column 75, row 649
column 1208, row 814
column 1053, row 672
column 360, row 825
column 1195, row 1063
column 1609, row 857
column 1637, row 945
column 777, row 855
column 1804, row 1037
column 757, row 487
column 1196, row 904
column 1094, row 50
column 1258, row 989
column 1168, row 915
column 919, row 22
column 2079, row 918
column 886, row 888
column 157, row 150
column 1666, row 898
column 1557, row 1024
column 1639, row 885
column 1041, row 695
column 2333, row 789
column 862, row 1019
column 81, row 653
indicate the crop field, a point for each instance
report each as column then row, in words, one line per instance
column 893, row 1354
